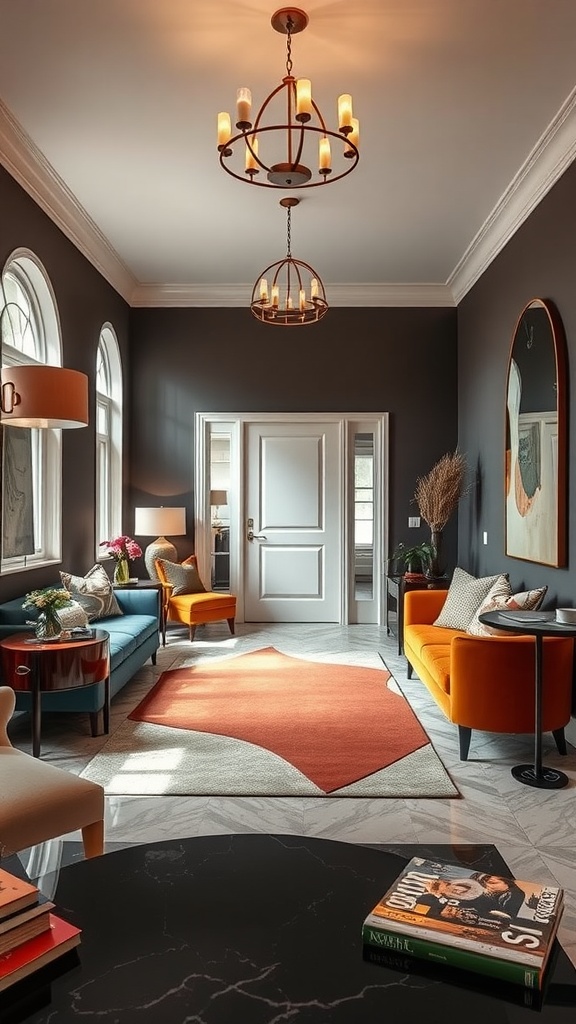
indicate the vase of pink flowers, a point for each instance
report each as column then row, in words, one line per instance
column 123, row 550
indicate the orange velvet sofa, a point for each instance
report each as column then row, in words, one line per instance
column 486, row 682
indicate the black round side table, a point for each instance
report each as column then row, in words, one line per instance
column 538, row 625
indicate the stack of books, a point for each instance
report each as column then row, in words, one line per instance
column 455, row 916
column 31, row 934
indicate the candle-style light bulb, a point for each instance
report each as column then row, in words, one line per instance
column 302, row 304
column 345, row 113
column 353, row 137
column 243, row 108
column 303, row 99
column 314, row 288
column 275, row 295
column 263, row 290
column 324, row 155
column 224, row 129
column 251, row 165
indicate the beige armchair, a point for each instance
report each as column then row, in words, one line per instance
column 39, row 801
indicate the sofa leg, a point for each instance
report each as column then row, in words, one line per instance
column 408, row 669
column 94, row 717
column 560, row 739
column 464, row 736
column 192, row 632
column 153, row 658
column 231, row 623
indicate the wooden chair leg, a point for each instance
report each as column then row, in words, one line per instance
column 93, row 839
column 192, row 632
column 231, row 623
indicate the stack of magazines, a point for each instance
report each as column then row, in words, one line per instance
column 452, row 915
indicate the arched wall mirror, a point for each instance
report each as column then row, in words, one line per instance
column 536, row 442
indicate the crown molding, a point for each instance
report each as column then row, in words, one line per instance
column 28, row 165
column 234, row 295
column 552, row 154
column 544, row 165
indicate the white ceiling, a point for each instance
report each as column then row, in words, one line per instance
column 467, row 114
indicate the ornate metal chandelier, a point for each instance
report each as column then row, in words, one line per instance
column 297, row 152
column 296, row 293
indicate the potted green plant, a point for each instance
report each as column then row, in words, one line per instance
column 413, row 560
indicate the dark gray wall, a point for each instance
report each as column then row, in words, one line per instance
column 85, row 302
column 401, row 361
column 538, row 262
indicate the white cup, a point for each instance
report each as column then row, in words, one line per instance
column 566, row 615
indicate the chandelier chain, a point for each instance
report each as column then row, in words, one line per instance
column 289, row 25
column 288, row 231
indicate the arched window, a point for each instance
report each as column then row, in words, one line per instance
column 108, row 438
column 32, row 458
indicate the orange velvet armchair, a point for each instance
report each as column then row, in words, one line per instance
column 194, row 609
column 486, row 682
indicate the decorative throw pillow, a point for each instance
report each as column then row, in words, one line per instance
column 501, row 598
column 94, row 592
column 72, row 615
column 184, row 578
column 465, row 595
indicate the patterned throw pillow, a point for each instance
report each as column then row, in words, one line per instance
column 72, row 615
column 184, row 578
column 94, row 592
column 501, row 598
column 465, row 594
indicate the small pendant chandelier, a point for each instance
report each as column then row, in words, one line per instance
column 296, row 294
column 296, row 153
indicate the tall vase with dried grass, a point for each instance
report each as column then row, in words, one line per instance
column 437, row 495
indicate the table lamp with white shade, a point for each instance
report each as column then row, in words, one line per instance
column 161, row 521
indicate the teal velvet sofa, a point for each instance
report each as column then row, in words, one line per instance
column 134, row 637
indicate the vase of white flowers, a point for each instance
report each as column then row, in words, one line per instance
column 47, row 625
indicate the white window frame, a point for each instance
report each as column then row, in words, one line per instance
column 32, row 277
column 109, row 440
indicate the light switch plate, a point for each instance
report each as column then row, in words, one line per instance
column 413, row 521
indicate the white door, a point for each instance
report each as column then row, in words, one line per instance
column 293, row 522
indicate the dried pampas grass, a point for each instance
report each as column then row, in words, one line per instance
column 437, row 494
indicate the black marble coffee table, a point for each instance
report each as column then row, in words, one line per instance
column 257, row 929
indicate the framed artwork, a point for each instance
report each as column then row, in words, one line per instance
column 536, row 440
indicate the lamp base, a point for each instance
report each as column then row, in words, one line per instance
column 159, row 548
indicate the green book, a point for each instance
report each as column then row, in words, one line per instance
column 452, row 956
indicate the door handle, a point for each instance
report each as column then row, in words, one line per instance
column 255, row 536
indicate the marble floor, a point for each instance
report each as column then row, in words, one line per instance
column 534, row 830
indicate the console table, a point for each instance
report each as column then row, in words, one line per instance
column 64, row 664
column 534, row 774
column 396, row 587
column 260, row 929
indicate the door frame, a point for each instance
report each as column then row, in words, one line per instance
column 234, row 423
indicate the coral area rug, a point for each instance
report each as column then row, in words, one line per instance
column 266, row 723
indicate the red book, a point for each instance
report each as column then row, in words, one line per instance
column 35, row 953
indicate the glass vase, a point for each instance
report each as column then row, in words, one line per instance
column 121, row 571
column 48, row 625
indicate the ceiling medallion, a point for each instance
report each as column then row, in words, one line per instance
column 296, row 295
column 296, row 151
